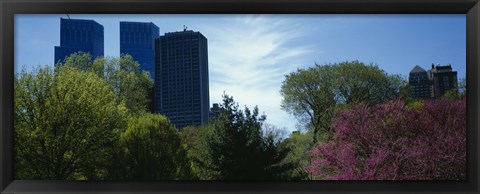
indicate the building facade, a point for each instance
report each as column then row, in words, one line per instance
column 214, row 111
column 77, row 35
column 138, row 40
column 432, row 83
column 181, row 79
column 420, row 83
column 444, row 79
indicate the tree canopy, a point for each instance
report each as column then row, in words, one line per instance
column 150, row 149
column 313, row 94
column 68, row 119
column 392, row 141
column 238, row 149
column 299, row 144
column 123, row 75
column 65, row 124
column 196, row 140
column 88, row 120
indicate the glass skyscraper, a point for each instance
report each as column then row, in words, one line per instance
column 181, row 79
column 79, row 35
column 138, row 40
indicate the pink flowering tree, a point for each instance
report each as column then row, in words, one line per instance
column 392, row 141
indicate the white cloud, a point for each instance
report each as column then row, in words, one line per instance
column 248, row 58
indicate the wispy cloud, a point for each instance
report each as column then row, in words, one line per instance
column 248, row 58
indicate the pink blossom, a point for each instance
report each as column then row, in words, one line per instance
column 391, row 141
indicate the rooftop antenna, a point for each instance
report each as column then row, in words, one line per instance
column 68, row 16
column 184, row 28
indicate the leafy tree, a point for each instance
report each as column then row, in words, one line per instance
column 130, row 83
column 313, row 94
column 392, row 141
column 150, row 149
column 123, row 75
column 310, row 96
column 66, row 123
column 80, row 60
column 238, row 149
column 299, row 144
column 196, row 140
column 357, row 83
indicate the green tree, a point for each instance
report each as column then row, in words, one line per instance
column 129, row 83
column 309, row 95
column 299, row 144
column 239, row 150
column 80, row 60
column 313, row 94
column 196, row 140
column 123, row 75
column 150, row 149
column 356, row 83
column 66, row 123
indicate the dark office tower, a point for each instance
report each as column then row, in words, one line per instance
column 214, row 112
column 444, row 79
column 138, row 40
column 420, row 83
column 181, row 78
column 79, row 35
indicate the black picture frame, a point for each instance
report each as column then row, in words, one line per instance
column 8, row 8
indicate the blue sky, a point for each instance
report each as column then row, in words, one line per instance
column 250, row 54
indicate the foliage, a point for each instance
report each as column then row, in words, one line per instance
column 195, row 138
column 299, row 144
column 123, row 75
column 391, row 141
column 150, row 149
column 238, row 149
column 415, row 104
column 310, row 96
column 65, row 124
column 357, row 83
column 80, row 60
column 68, row 120
column 313, row 94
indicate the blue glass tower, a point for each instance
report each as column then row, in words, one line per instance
column 181, row 79
column 138, row 40
column 79, row 35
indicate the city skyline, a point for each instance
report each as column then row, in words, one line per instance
column 250, row 54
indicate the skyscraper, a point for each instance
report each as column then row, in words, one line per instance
column 181, row 79
column 79, row 35
column 138, row 40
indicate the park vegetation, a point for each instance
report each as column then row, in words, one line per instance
column 87, row 119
